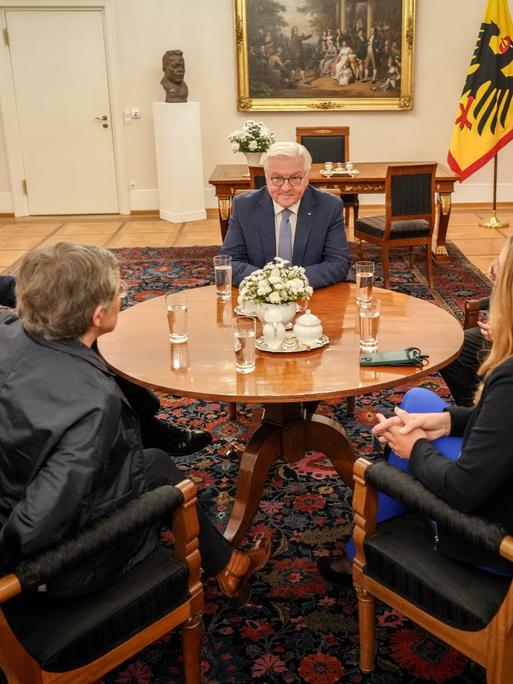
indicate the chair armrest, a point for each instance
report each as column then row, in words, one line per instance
column 472, row 309
column 134, row 516
column 403, row 486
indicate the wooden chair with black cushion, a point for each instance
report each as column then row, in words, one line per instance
column 256, row 177
column 410, row 215
column 473, row 307
column 77, row 640
column 397, row 562
column 329, row 143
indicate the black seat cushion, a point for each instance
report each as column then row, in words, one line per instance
column 63, row 635
column 401, row 555
column 375, row 226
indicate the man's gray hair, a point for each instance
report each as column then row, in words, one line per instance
column 287, row 149
column 59, row 287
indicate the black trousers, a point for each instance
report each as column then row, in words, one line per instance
column 7, row 294
column 215, row 550
column 461, row 374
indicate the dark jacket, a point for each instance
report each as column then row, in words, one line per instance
column 70, row 451
column 320, row 243
column 481, row 480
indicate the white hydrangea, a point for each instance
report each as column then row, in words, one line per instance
column 275, row 283
column 254, row 136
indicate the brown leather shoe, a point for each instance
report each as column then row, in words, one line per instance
column 235, row 577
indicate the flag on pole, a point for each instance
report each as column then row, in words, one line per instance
column 484, row 122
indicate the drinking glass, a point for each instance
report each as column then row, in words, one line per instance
column 244, row 338
column 364, row 280
column 176, row 306
column 223, row 276
column 369, row 325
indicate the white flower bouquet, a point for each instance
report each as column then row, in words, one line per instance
column 275, row 283
column 254, row 136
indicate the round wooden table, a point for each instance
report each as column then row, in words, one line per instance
column 139, row 350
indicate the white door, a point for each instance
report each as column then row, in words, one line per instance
column 62, row 99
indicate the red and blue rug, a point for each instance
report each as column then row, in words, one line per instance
column 297, row 628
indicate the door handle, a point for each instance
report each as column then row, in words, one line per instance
column 103, row 119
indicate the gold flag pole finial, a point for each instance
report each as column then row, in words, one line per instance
column 494, row 222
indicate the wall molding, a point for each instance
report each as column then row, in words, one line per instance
column 148, row 199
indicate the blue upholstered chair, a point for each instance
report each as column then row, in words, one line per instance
column 409, row 215
column 396, row 562
column 81, row 638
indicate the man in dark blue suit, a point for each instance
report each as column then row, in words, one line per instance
column 288, row 218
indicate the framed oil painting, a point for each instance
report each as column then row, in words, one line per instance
column 297, row 55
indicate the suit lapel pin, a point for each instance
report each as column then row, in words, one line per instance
column 308, row 213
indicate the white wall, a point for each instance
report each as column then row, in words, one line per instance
column 446, row 33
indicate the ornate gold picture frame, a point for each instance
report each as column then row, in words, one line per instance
column 298, row 55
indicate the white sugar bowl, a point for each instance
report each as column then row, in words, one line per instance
column 308, row 328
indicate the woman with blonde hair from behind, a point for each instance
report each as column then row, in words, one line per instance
column 462, row 454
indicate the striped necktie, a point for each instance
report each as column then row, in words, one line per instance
column 285, row 237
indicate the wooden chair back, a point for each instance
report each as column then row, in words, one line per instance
column 325, row 143
column 20, row 667
column 492, row 645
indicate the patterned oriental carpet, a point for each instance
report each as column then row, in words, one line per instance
column 297, row 627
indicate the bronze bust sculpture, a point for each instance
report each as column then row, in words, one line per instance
column 173, row 66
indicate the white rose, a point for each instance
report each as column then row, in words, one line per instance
column 278, row 286
column 275, row 298
column 252, row 145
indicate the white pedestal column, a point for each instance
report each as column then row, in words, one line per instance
column 179, row 161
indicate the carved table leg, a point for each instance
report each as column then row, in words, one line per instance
column 444, row 200
column 224, row 205
column 260, row 454
column 284, row 434
column 326, row 435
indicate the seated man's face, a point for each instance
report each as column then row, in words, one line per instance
column 286, row 167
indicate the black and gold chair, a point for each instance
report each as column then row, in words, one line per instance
column 397, row 562
column 409, row 215
column 329, row 143
column 79, row 639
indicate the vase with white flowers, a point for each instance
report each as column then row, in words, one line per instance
column 253, row 138
column 277, row 284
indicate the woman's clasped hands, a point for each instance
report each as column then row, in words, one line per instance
column 402, row 430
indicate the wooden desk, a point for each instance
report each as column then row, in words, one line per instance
column 139, row 349
column 228, row 178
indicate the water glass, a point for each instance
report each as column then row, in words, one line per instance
column 176, row 307
column 223, row 276
column 364, row 281
column 244, row 339
column 369, row 325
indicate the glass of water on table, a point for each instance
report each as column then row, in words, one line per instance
column 244, row 340
column 223, row 276
column 364, row 281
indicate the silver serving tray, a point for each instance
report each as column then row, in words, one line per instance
column 291, row 344
column 241, row 312
column 339, row 172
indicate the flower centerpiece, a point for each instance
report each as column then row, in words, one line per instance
column 276, row 284
column 253, row 139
